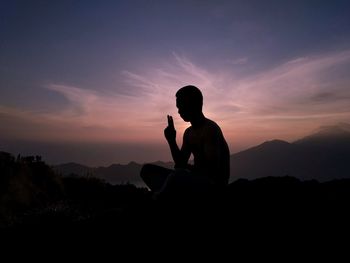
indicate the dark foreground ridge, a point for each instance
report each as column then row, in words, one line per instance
column 34, row 198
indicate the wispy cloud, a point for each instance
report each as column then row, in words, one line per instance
column 288, row 88
column 291, row 98
column 284, row 101
column 293, row 86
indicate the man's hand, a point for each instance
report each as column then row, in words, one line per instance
column 170, row 132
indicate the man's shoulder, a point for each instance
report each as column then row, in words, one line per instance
column 212, row 126
column 211, row 123
column 209, row 127
column 188, row 129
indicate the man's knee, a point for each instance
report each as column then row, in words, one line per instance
column 145, row 170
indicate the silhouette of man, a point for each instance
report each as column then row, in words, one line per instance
column 203, row 139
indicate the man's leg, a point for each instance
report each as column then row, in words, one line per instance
column 154, row 176
column 183, row 183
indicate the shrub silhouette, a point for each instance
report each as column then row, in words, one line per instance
column 26, row 183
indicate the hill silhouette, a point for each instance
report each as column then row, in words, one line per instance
column 324, row 155
column 32, row 194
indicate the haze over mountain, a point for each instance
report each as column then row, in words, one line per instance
column 114, row 174
column 323, row 155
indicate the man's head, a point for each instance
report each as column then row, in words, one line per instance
column 189, row 101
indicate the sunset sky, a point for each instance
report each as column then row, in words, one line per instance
column 93, row 81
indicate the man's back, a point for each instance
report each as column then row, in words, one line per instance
column 210, row 151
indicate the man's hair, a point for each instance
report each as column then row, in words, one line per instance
column 192, row 94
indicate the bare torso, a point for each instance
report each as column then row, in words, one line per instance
column 210, row 151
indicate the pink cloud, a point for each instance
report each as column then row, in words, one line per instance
column 285, row 102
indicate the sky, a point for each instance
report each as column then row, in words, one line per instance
column 92, row 81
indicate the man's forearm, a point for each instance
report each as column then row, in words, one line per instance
column 176, row 154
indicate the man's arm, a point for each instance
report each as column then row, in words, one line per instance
column 217, row 156
column 212, row 151
column 180, row 157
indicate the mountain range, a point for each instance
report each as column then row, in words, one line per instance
column 323, row 155
column 113, row 174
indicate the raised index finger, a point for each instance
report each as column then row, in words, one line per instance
column 170, row 121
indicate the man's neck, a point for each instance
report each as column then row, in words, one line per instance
column 198, row 120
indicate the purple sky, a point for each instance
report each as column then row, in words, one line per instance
column 93, row 82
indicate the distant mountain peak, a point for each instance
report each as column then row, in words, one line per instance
column 275, row 142
column 133, row 163
column 329, row 132
column 272, row 145
column 73, row 164
column 339, row 129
